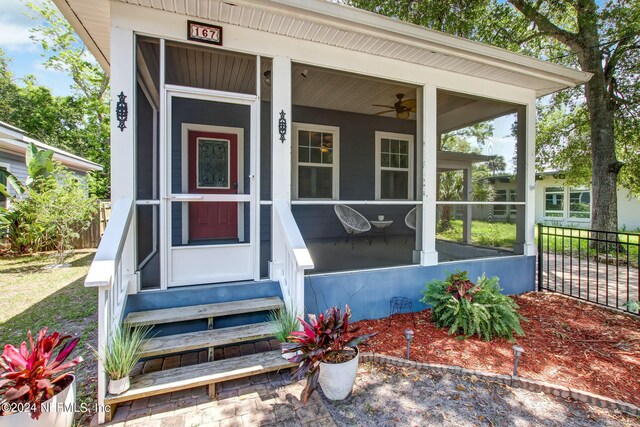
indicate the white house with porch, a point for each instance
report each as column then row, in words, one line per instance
column 236, row 129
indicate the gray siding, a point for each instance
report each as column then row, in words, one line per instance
column 357, row 170
column 16, row 166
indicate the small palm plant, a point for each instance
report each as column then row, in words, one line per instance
column 121, row 355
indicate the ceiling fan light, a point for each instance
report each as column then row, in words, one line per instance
column 403, row 114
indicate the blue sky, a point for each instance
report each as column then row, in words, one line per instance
column 26, row 56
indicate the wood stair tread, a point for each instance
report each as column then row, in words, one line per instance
column 171, row 380
column 203, row 311
column 201, row 339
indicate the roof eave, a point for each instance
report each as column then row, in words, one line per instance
column 84, row 34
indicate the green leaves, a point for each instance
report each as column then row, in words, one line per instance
column 485, row 312
column 39, row 163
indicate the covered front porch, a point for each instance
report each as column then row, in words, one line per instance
column 230, row 154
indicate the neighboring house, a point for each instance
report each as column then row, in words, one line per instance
column 13, row 146
column 235, row 129
column 558, row 203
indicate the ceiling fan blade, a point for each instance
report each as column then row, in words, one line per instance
column 384, row 112
column 409, row 103
column 384, row 106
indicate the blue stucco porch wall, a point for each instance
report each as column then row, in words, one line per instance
column 368, row 292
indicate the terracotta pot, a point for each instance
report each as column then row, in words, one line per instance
column 337, row 379
column 119, row 386
column 56, row 412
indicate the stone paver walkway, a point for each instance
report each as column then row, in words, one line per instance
column 259, row 400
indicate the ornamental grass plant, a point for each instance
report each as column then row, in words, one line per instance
column 472, row 309
column 284, row 322
column 121, row 355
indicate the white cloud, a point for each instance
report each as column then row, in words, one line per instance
column 15, row 37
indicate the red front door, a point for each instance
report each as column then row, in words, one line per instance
column 213, row 169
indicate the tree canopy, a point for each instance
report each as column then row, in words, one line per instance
column 592, row 133
column 78, row 123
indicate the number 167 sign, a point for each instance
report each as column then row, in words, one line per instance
column 206, row 33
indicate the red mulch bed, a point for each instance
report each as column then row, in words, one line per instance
column 566, row 342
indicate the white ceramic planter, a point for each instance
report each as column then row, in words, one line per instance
column 337, row 379
column 57, row 412
column 119, row 386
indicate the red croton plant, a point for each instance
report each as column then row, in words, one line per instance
column 326, row 338
column 33, row 377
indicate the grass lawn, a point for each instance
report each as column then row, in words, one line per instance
column 503, row 235
column 483, row 233
column 35, row 295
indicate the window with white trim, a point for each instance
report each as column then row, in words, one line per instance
column 394, row 166
column 579, row 203
column 315, row 161
column 554, row 202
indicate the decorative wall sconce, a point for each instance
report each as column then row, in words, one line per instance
column 282, row 126
column 122, row 111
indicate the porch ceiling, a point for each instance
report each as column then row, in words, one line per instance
column 343, row 27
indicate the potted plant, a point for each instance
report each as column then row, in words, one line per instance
column 328, row 353
column 121, row 355
column 284, row 322
column 36, row 386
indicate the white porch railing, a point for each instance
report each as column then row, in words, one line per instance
column 106, row 273
column 296, row 257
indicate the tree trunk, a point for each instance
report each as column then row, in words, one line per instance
column 605, row 165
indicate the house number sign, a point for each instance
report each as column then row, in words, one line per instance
column 205, row 33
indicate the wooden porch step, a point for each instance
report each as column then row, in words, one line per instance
column 209, row 373
column 202, row 339
column 204, row 311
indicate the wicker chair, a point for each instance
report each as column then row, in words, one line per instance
column 410, row 221
column 354, row 222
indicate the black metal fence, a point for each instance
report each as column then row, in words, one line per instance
column 597, row 266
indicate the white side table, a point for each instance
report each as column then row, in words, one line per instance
column 381, row 227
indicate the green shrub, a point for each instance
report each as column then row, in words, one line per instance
column 468, row 308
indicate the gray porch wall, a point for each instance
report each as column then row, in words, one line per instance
column 357, row 170
column 368, row 292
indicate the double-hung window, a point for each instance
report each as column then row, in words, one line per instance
column 579, row 203
column 316, row 161
column 394, row 166
column 554, row 202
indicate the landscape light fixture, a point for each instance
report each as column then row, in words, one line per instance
column 408, row 335
column 517, row 351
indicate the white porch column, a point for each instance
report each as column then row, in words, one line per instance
column 280, row 150
column 467, row 190
column 123, row 140
column 429, row 141
column 526, row 180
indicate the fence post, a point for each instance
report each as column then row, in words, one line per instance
column 540, row 254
